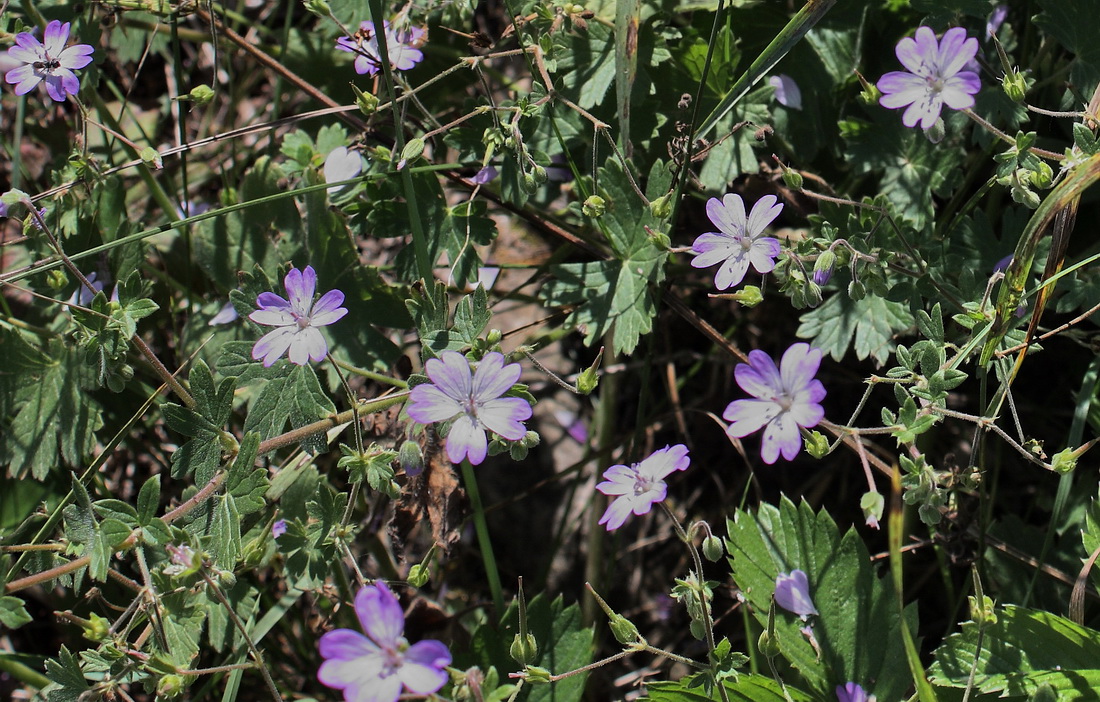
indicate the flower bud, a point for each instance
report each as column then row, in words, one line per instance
column 792, row 179
column 96, row 628
column 151, row 158
column 712, row 548
column 367, row 102
column 823, row 267
column 856, row 290
column 1043, row 177
column 524, row 649
column 539, row 174
column 531, row 439
column 530, row 185
column 873, row 504
column 588, row 379
column 419, row 575
column 659, row 239
column 662, row 206
column 1064, row 461
column 56, row 279
column 936, row 132
column 170, row 686
column 319, row 8
column 1015, row 85
column 413, row 148
column 410, row 458
column 817, row 444
column 594, row 206
column 768, row 644
column 201, row 95
column 749, row 296
column 535, row 674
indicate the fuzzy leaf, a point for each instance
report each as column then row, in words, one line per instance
column 868, row 326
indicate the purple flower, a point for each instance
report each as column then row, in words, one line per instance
column 486, row 174
column 473, row 401
column 297, row 320
column 376, row 667
column 737, row 243
column 49, row 60
column 638, row 487
column 787, row 398
column 3, row 210
column 996, row 19
column 851, row 692
column 227, row 314
column 787, row 92
column 278, row 528
column 935, row 76
column 400, row 45
column 792, row 593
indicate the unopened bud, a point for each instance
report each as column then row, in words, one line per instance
column 662, row 206
column 792, row 179
column 530, row 185
column 1064, row 461
column 768, row 644
column 367, row 102
column 823, row 267
column 535, row 674
column 413, row 148
column 170, row 686
column 589, row 379
column 873, row 505
column 749, row 296
column 594, row 206
column 419, row 575
column 1042, row 177
column 410, row 458
column 201, row 95
column 817, row 445
column 1015, row 85
column 56, row 279
column 712, row 548
column 857, row 290
column 539, row 174
column 495, row 336
column 151, row 158
column 524, row 649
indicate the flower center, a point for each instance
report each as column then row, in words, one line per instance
column 642, row 484
column 469, row 405
column 301, row 320
column 785, row 402
column 746, row 242
column 47, row 66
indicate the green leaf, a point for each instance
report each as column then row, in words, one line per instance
column 747, row 688
column 199, row 457
column 227, row 533
column 858, row 629
column 1075, row 25
column 12, row 612
column 295, row 396
column 23, row 364
column 868, row 326
column 1024, row 649
column 616, row 294
column 56, row 418
column 116, row 509
column 65, row 672
column 114, row 532
column 148, row 500
column 247, row 483
column 564, row 644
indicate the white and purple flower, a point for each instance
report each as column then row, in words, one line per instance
column 342, row 164
column 378, row 666
column 786, row 398
column 792, row 593
column 401, row 46
column 934, row 76
column 639, row 486
column 48, row 61
column 737, row 243
column 787, row 92
column 473, row 401
column 297, row 320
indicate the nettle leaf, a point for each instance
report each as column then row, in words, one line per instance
column 215, row 404
column 56, row 419
column 12, row 612
column 616, row 294
column 1023, row 650
column 868, row 326
column 247, row 483
column 747, row 688
column 564, row 644
column 296, row 397
column 858, row 629
column 200, row 457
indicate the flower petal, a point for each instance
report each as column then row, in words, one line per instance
column 273, row 344
column 55, row 37
column 732, row 272
column 423, row 671
column 428, row 404
column 798, row 366
column 712, row 248
column 748, row 416
column 273, row 318
column 328, row 310
column 792, row 593
column 76, row 56
column 451, row 374
column 346, row 644
column 763, row 213
column 617, row 512
column 728, row 214
column 762, row 254
column 618, row 480
column 492, row 378
column 504, row 415
column 956, row 50
column 662, row 462
column 780, row 436
column 467, row 440
column 759, row 377
column 380, row 614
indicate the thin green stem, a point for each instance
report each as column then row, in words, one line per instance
column 483, row 542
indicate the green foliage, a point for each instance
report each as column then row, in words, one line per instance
column 1024, row 650
column 858, row 630
column 867, row 326
column 747, row 688
column 616, row 296
column 564, row 644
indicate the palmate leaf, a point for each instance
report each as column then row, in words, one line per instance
column 294, row 396
column 1024, row 649
column 57, row 417
column 1075, row 24
column 868, row 326
column 617, row 293
column 858, row 628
